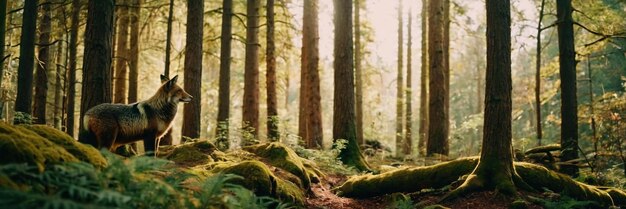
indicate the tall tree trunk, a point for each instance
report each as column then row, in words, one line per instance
column 423, row 131
column 567, row 70
column 538, row 76
column 400, row 89
column 71, row 89
column 344, row 125
column 3, row 23
column 193, row 68
column 358, row 72
column 251, row 74
column 121, row 58
column 168, row 42
column 97, row 57
column 27, row 56
column 133, row 56
column 310, row 123
column 133, row 70
column 495, row 169
column 167, row 139
column 60, row 71
column 270, row 57
column 223, row 112
column 438, row 118
column 408, row 142
column 43, row 65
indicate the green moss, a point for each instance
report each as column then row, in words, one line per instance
column 258, row 178
column 20, row 145
column 192, row 154
column 285, row 158
column 619, row 196
column 81, row 151
column 540, row 177
column 407, row 179
column 519, row 204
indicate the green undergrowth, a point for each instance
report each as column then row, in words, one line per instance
column 41, row 167
column 138, row 182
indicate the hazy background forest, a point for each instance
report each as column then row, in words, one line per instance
column 368, row 97
column 604, row 59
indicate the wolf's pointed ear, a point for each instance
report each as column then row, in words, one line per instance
column 170, row 84
column 174, row 79
column 164, row 78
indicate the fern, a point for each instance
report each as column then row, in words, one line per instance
column 138, row 182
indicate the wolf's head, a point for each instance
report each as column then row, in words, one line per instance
column 174, row 92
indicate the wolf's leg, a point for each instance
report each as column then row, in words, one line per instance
column 107, row 138
column 149, row 144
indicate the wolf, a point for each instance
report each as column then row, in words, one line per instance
column 112, row 125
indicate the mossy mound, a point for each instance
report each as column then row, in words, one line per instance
column 280, row 156
column 258, row 178
column 20, row 145
column 192, row 154
column 81, row 151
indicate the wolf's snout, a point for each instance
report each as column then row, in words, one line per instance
column 187, row 99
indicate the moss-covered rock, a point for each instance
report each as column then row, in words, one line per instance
column 192, row 154
column 258, row 178
column 81, row 151
column 20, row 145
column 285, row 158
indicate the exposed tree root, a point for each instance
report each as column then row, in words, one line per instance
column 530, row 177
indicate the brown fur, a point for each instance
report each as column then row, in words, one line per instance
column 112, row 125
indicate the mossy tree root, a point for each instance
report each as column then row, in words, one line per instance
column 529, row 177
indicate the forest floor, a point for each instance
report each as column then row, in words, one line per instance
column 324, row 197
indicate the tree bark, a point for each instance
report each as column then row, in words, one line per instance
column 423, row 130
column 251, row 74
column 43, row 65
column 567, row 71
column 96, row 85
column 495, row 169
column 27, row 56
column 193, row 68
column 270, row 57
column 538, row 76
column 344, row 125
column 167, row 139
column 122, row 54
column 59, row 72
column 223, row 112
column 400, row 89
column 71, row 89
column 168, row 41
column 438, row 117
column 358, row 72
column 133, row 70
column 408, row 141
column 310, row 123
column 3, row 23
